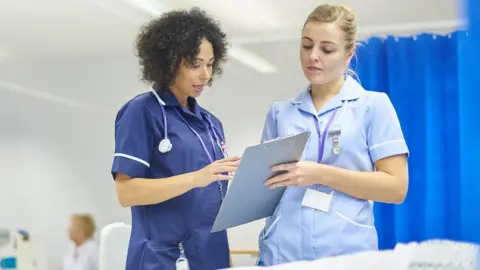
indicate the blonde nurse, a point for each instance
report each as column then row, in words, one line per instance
column 356, row 152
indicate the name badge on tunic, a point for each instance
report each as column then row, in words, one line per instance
column 317, row 200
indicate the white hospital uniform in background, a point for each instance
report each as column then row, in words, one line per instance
column 84, row 257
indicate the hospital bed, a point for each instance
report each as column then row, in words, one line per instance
column 428, row 255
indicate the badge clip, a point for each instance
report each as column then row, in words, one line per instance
column 335, row 134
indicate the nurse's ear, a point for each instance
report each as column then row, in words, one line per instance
column 351, row 53
column 349, row 56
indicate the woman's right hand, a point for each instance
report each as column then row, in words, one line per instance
column 215, row 171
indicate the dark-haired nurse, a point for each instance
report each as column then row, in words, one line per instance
column 170, row 164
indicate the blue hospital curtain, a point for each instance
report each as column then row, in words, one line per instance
column 469, row 96
column 430, row 80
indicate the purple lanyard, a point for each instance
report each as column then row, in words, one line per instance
column 220, row 186
column 213, row 134
column 322, row 138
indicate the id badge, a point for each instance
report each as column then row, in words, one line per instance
column 223, row 148
column 317, row 200
column 181, row 265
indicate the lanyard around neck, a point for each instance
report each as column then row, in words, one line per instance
column 322, row 137
column 211, row 134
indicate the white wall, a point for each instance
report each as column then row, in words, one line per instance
column 55, row 159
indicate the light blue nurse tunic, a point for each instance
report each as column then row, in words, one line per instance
column 370, row 130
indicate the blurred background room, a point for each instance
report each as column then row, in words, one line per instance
column 66, row 66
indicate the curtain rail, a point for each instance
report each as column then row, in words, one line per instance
column 363, row 31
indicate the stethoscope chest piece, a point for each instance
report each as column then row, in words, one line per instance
column 165, row 146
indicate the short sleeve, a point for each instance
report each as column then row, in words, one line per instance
column 134, row 140
column 270, row 125
column 385, row 137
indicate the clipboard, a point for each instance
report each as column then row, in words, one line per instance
column 247, row 198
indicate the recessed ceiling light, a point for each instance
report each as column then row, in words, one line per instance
column 155, row 8
column 11, row 87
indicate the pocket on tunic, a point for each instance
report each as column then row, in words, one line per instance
column 342, row 216
column 267, row 230
column 159, row 256
column 352, row 210
column 270, row 226
column 353, row 221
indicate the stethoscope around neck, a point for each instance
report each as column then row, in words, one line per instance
column 166, row 145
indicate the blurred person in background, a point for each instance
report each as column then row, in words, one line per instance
column 356, row 153
column 83, row 253
column 170, row 164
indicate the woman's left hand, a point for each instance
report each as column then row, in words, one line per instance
column 302, row 173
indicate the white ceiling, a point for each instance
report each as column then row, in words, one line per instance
column 48, row 44
column 33, row 29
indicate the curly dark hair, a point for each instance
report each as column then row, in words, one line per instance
column 176, row 35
